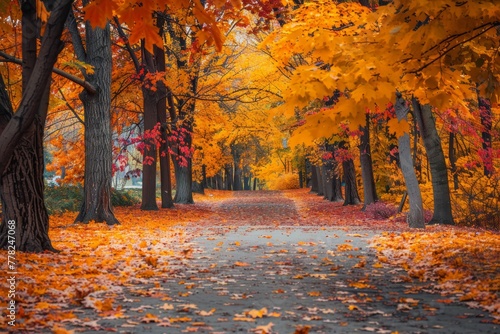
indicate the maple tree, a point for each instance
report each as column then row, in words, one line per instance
column 96, row 52
column 21, row 145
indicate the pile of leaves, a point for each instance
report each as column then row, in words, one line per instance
column 458, row 263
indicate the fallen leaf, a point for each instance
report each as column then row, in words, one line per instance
column 265, row 329
column 257, row 313
column 207, row 313
column 148, row 318
column 241, row 264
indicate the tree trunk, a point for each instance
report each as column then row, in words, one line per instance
column 236, row 152
column 183, row 182
column 369, row 190
column 149, row 155
column 220, row 181
column 351, row 190
column 439, row 173
column 453, row 160
column 96, row 204
column 21, row 138
column 228, row 169
column 336, row 183
column 319, row 177
column 326, row 175
column 486, row 123
column 21, row 192
column 314, row 180
column 415, row 217
column 337, row 188
column 198, row 188
column 161, row 109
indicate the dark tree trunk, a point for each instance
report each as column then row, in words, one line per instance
column 246, row 182
column 336, row 183
column 183, row 183
column 351, row 190
column 161, row 108
column 255, row 183
column 24, row 204
column 183, row 164
column 219, row 180
column 198, row 188
column 314, row 180
column 439, row 173
column 236, row 152
column 369, row 190
column 326, row 172
column 96, row 204
column 204, row 176
column 486, row 123
column 453, row 160
column 319, row 177
column 149, row 155
column 337, row 186
column 228, row 169
column 415, row 217
column 21, row 138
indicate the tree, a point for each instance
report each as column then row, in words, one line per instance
column 369, row 190
column 416, row 215
column 21, row 134
column 96, row 204
column 439, row 172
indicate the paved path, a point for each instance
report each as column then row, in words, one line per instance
column 255, row 265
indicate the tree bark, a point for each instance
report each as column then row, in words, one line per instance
column 453, row 159
column 319, row 178
column 336, row 183
column 236, row 153
column 228, row 171
column 337, row 187
column 351, row 190
column 439, row 173
column 415, row 217
column 161, row 107
column 314, row 180
column 96, row 204
column 369, row 190
column 219, row 181
column 183, row 183
column 326, row 175
column 486, row 123
column 21, row 137
column 149, row 155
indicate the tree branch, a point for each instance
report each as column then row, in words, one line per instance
column 71, row 108
column 85, row 84
column 493, row 25
column 124, row 36
column 80, row 52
